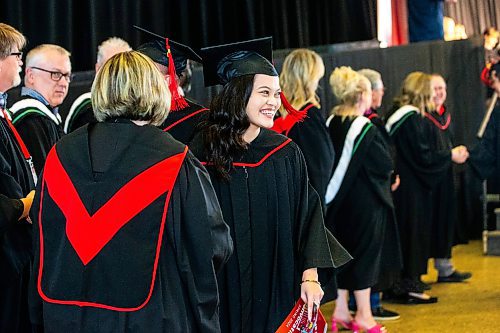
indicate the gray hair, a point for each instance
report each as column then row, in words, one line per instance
column 35, row 54
column 373, row 76
column 111, row 43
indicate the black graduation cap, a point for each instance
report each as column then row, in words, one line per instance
column 157, row 51
column 222, row 63
column 172, row 54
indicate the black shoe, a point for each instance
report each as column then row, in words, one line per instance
column 410, row 299
column 456, row 276
column 422, row 285
column 382, row 314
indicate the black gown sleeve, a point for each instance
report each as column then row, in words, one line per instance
column 10, row 211
column 483, row 157
column 202, row 240
column 317, row 247
column 10, row 188
column 8, row 184
column 380, row 168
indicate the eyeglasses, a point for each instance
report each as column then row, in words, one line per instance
column 56, row 76
column 18, row 55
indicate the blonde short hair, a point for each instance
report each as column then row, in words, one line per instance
column 299, row 78
column 33, row 56
column 130, row 86
column 348, row 86
column 417, row 91
column 9, row 38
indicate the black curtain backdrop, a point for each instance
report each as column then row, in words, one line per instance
column 475, row 15
column 80, row 26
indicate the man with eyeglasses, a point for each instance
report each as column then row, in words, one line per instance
column 46, row 83
column 16, row 182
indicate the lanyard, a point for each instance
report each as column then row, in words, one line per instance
column 20, row 142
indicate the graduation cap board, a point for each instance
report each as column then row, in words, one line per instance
column 173, row 55
column 222, row 63
column 157, row 51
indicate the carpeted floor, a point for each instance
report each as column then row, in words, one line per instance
column 473, row 306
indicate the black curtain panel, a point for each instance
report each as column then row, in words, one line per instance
column 475, row 15
column 80, row 26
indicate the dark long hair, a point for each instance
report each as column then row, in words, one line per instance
column 227, row 122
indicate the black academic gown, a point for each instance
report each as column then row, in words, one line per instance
column 16, row 182
column 419, row 167
column 388, row 273
column 376, row 120
column 157, row 273
column 10, row 211
column 484, row 158
column 311, row 135
column 39, row 133
column 443, row 200
column 183, row 124
column 277, row 226
column 80, row 114
column 360, row 215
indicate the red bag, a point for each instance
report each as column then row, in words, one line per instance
column 296, row 321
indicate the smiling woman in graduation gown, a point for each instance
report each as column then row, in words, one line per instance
column 261, row 181
column 423, row 160
column 129, row 232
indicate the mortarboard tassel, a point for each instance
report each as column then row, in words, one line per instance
column 178, row 102
column 291, row 110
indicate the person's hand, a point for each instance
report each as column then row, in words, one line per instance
column 459, row 154
column 310, row 290
column 27, row 202
column 395, row 185
column 451, row 1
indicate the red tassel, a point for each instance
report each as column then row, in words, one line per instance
column 178, row 102
column 291, row 110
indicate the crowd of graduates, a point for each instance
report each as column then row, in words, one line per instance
column 144, row 211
